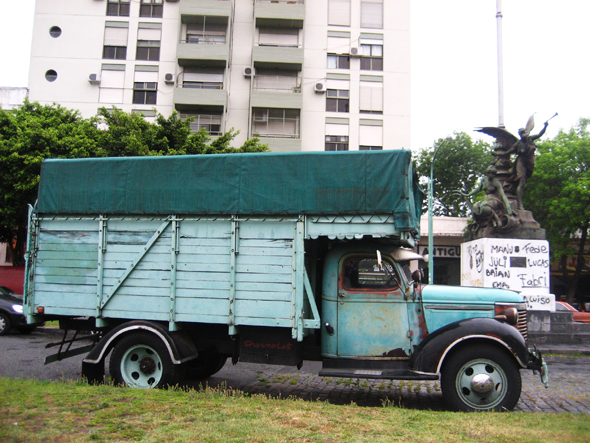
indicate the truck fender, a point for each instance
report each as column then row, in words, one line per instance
column 180, row 347
column 430, row 355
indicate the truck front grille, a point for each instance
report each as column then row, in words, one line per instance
column 522, row 323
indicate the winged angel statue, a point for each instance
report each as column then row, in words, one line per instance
column 505, row 179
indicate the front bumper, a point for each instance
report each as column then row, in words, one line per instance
column 537, row 363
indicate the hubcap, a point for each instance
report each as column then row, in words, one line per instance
column 481, row 384
column 141, row 367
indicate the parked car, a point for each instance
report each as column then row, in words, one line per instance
column 578, row 316
column 11, row 312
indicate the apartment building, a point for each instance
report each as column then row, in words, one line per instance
column 302, row 75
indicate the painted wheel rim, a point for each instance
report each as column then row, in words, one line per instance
column 481, row 384
column 3, row 324
column 141, row 367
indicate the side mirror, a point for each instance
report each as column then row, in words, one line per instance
column 417, row 275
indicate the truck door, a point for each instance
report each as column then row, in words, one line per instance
column 372, row 311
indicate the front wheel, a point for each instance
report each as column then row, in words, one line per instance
column 481, row 378
column 141, row 360
column 4, row 324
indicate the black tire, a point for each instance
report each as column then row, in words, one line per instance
column 481, row 378
column 141, row 360
column 205, row 365
column 4, row 324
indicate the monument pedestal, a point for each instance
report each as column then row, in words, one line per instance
column 515, row 264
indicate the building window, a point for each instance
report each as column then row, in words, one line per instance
column 118, row 8
column 151, row 8
column 112, row 84
column 115, row 43
column 51, row 75
column 55, row 31
column 337, row 100
column 277, row 80
column 339, row 12
column 148, row 44
column 370, row 148
column 202, row 78
column 338, row 61
column 210, row 122
column 372, row 14
column 114, row 52
column 282, row 37
column 336, row 143
column 145, row 93
column 371, row 135
column 371, row 97
column 276, row 123
column 205, row 31
column 372, row 57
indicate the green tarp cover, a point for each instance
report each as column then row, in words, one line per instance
column 318, row 183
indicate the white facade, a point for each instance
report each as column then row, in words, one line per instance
column 12, row 97
column 313, row 75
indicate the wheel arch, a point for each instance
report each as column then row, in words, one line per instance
column 179, row 345
column 430, row 355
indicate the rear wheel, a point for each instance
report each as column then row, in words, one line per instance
column 205, row 365
column 482, row 378
column 4, row 324
column 141, row 360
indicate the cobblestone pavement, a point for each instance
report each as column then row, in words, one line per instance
column 568, row 390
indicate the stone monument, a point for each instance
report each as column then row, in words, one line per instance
column 505, row 247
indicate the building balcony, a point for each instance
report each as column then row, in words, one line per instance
column 190, row 9
column 283, row 57
column 191, row 97
column 270, row 99
column 279, row 13
column 202, row 54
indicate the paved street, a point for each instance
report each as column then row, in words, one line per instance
column 569, row 391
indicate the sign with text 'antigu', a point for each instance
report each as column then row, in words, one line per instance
column 519, row 265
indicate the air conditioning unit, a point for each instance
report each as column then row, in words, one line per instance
column 355, row 52
column 249, row 71
column 169, row 78
column 94, row 79
column 319, row 87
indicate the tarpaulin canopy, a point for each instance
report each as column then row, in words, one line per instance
column 315, row 183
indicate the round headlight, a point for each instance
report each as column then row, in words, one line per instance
column 17, row 308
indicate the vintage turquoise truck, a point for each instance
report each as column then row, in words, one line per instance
column 175, row 264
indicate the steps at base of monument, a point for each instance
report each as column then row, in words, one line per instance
column 560, row 338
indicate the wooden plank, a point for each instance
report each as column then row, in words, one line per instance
column 67, row 255
column 66, row 290
column 71, row 300
column 83, row 237
column 66, row 280
column 208, row 306
column 263, row 278
column 264, row 295
column 267, row 229
column 88, row 264
column 58, row 271
column 68, row 247
column 255, row 268
column 262, row 309
column 196, row 293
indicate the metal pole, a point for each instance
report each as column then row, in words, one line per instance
column 430, row 204
column 500, row 65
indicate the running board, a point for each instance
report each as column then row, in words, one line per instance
column 400, row 374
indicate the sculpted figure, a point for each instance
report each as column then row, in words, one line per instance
column 524, row 148
column 494, row 209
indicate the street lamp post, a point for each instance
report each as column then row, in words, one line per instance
column 430, row 204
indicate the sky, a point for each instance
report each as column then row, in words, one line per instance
column 454, row 63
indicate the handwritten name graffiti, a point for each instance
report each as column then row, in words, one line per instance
column 475, row 257
column 508, row 264
column 540, row 302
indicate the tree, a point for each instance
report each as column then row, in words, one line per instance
column 28, row 135
column 558, row 194
column 131, row 135
column 458, row 166
column 35, row 132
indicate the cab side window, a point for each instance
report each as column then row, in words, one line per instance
column 364, row 273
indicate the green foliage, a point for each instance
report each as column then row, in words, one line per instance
column 558, row 193
column 458, row 166
column 27, row 136
column 34, row 132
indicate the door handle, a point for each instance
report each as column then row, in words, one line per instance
column 342, row 295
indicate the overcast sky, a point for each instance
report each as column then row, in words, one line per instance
column 454, row 63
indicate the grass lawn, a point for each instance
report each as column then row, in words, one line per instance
column 33, row 411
